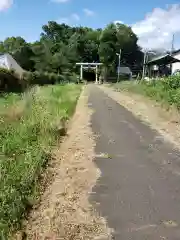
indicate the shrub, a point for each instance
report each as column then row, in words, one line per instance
column 45, row 78
column 166, row 91
column 39, row 78
column 11, row 81
column 172, row 82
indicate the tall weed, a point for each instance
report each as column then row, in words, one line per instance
column 166, row 90
column 26, row 142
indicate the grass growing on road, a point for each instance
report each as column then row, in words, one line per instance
column 28, row 129
column 166, row 91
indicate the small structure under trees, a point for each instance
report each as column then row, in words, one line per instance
column 89, row 66
column 161, row 64
column 9, row 63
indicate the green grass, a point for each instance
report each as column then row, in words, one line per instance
column 8, row 99
column 165, row 91
column 29, row 128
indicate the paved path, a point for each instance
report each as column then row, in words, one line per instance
column 139, row 190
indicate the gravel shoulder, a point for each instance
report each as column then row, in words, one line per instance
column 64, row 211
column 165, row 122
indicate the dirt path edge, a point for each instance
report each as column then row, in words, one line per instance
column 64, row 211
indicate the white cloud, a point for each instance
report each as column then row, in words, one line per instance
column 88, row 12
column 63, row 20
column 60, row 1
column 5, row 4
column 69, row 20
column 158, row 27
column 75, row 17
column 118, row 21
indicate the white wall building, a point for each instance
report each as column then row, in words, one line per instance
column 176, row 66
column 8, row 62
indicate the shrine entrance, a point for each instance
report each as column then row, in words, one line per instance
column 89, row 66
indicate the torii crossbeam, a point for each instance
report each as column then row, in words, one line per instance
column 89, row 65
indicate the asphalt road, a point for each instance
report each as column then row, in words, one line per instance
column 139, row 188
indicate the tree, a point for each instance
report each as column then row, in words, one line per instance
column 61, row 46
column 57, row 32
column 73, row 44
column 92, row 41
column 12, row 44
column 24, row 56
column 107, row 48
column 42, row 55
column 113, row 38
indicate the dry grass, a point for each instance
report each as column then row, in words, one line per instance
column 151, row 112
column 64, row 211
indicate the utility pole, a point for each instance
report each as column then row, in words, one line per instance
column 172, row 46
column 172, row 49
column 144, row 62
column 119, row 63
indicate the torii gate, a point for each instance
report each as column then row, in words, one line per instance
column 91, row 66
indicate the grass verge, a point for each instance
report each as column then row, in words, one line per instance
column 65, row 211
column 163, row 91
column 28, row 131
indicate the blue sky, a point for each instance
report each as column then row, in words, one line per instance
column 149, row 19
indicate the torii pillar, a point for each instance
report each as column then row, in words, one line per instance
column 96, row 75
column 81, row 73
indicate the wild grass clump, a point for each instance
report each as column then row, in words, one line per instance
column 28, row 129
column 165, row 91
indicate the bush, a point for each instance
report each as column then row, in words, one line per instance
column 162, row 90
column 172, row 82
column 45, row 78
column 10, row 81
column 166, row 91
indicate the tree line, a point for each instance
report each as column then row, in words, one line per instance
column 60, row 46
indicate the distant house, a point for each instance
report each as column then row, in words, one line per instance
column 8, row 62
column 176, row 66
column 163, row 64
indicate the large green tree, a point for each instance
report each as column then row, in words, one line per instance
column 12, row 44
column 60, row 46
column 116, row 37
